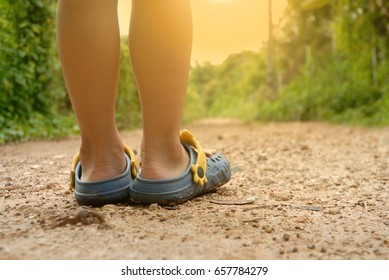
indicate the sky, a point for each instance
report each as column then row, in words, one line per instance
column 222, row 27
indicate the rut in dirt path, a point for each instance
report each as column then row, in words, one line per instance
column 298, row 191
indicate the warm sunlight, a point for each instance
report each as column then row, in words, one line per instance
column 221, row 1
column 222, row 27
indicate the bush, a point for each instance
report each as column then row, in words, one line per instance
column 30, row 84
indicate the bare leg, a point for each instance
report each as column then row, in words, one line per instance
column 160, row 47
column 89, row 49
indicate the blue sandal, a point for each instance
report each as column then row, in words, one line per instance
column 110, row 191
column 202, row 176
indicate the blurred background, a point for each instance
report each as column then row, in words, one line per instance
column 266, row 60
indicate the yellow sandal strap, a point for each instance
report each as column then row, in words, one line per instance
column 131, row 155
column 76, row 159
column 199, row 169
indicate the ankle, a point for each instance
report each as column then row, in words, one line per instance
column 101, row 161
column 164, row 163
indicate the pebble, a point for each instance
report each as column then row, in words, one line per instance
column 228, row 214
column 186, row 217
column 286, row 237
column 280, row 196
column 109, row 208
column 302, row 220
column 83, row 212
column 268, row 229
column 311, row 246
column 154, row 207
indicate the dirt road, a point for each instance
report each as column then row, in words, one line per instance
column 313, row 191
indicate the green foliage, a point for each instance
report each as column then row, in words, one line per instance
column 344, row 83
column 230, row 89
column 30, row 87
column 330, row 93
column 332, row 63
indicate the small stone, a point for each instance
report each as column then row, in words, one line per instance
column 146, row 212
column 282, row 251
column 302, row 220
column 268, row 229
column 286, row 237
column 186, row 217
column 228, row 214
column 280, row 196
column 162, row 219
column 311, row 246
column 84, row 212
column 323, row 250
column 154, row 207
column 109, row 208
column 304, row 147
column 294, row 250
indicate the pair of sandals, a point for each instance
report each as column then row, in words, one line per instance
column 204, row 174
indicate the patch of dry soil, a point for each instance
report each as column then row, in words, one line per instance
column 313, row 191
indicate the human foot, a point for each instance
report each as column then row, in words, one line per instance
column 201, row 175
column 164, row 166
column 102, row 161
column 100, row 186
column 163, row 158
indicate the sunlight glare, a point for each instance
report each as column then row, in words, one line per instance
column 221, row 1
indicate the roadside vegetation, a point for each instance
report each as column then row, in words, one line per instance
column 330, row 63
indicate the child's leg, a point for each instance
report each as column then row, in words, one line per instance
column 160, row 47
column 89, row 49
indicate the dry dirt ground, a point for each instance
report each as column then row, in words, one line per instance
column 313, row 191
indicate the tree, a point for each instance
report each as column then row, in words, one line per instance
column 29, row 71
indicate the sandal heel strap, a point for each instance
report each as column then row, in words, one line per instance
column 199, row 169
